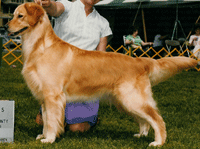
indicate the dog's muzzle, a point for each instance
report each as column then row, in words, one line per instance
column 14, row 33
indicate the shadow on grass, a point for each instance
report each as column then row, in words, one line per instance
column 108, row 134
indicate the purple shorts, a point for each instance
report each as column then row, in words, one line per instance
column 82, row 112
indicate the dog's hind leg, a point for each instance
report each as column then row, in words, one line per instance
column 156, row 121
column 138, row 101
column 53, row 117
column 144, row 127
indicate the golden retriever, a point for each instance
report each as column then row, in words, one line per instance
column 57, row 72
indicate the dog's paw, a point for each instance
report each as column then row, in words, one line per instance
column 155, row 144
column 41, row 136
column 137, row 135
column 141, row 134
column 47, row 140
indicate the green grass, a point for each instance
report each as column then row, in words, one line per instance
column 178, row 101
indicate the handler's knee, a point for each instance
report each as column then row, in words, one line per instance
column 79, row 127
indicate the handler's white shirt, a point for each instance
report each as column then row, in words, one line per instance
column 75, row 28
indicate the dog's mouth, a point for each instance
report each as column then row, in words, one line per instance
column 16, row 33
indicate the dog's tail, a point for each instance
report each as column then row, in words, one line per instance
column 164, row 68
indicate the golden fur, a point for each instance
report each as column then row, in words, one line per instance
column 57, row 72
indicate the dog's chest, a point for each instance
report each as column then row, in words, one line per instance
column 33, row 81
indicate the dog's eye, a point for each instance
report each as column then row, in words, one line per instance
column 20, row 16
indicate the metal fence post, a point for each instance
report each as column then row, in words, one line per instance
column 1, row 50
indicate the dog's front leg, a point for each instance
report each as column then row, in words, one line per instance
column 42, row 136
column 53, row 117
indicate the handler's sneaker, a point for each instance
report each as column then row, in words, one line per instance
column 38, row 119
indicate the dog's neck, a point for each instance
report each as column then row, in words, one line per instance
column 38, row 39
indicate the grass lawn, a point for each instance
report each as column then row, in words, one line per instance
column 178, row 101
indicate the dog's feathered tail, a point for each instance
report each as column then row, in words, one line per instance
column 164, row 68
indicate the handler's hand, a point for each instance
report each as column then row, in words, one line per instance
column 43, row 3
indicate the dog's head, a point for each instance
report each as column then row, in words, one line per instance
column 26, row 17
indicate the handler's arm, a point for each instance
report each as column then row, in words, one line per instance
column 53, row 8
column 102, row 44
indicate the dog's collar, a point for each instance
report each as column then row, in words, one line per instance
column 16, row 33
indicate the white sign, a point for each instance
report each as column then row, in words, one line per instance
column 7, row 120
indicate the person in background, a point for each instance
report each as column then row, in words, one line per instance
column 79, row 24
column 159, row 42
column 194, row 41
column 134, row 40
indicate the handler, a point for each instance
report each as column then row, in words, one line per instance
column 79, row 24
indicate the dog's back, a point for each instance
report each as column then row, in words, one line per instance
column 112, row 66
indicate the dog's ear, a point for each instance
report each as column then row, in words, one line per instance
column 35, row 11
